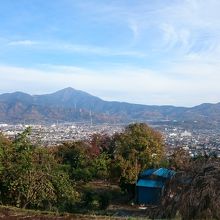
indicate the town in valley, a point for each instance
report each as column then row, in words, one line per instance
column 197, row 141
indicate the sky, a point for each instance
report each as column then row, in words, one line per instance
column 155, row 52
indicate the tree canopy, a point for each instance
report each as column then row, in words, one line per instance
column 137, row 148
column 31, row 177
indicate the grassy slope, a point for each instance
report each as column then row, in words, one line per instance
column 9, row 212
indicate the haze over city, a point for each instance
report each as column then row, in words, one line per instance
column 150, row 52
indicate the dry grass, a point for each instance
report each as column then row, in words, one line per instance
column 195, row 193
column 13, row 213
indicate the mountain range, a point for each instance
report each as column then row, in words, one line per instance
column 71, row 105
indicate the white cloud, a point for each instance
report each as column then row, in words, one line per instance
column 132, row 84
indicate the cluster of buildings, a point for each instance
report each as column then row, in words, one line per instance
column 51, row 135
column 196, row 141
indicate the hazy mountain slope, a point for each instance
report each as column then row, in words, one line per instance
column 67, row 98
column 75, row 105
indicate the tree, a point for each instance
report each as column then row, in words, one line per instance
column 76, row 159
column 100, row 166
column 136, row 149
column 101, row 143
column 4, row 142
column 17, row 162
column 73, row 154
column 31, row 177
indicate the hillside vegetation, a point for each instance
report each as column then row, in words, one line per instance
column 98, row 176
column 52, row 178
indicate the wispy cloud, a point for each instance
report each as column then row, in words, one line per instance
column 23, row 43
column 180, row 23
column 95, row 50
column 75, row 48
column 179, row 27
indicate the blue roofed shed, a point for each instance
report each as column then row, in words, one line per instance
column 150, row 185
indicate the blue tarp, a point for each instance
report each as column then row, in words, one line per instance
column 163, row 172
column 150, row 183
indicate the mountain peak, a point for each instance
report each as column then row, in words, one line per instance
column 66, row 90
column 70, row 92
column 68, row 97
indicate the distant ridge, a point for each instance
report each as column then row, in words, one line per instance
column 71, row 105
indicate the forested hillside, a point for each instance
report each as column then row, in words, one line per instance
column 70, row 105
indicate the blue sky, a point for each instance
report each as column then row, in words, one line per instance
column 150, row 51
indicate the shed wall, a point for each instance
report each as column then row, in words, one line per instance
column 148, row 195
